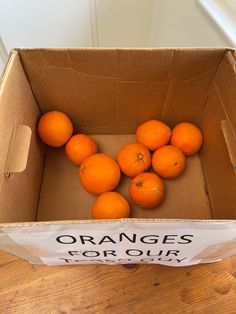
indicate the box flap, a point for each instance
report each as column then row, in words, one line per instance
column 19, row 193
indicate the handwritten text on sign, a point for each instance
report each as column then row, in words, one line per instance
column 168, row 243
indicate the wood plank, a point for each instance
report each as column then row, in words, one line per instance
column 26, row 288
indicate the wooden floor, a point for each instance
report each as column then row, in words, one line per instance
column 204, row 289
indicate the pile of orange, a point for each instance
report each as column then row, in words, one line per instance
column 156, row 146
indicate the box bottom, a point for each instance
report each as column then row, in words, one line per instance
column 63, row 198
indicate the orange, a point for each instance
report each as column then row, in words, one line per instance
column 187, row 137
column 110, row 205
column 168, row 161
column 133, row 159
column 79, row 147
column 55, row 128
column 99, row 173
column 153, row 134
column 146, row 190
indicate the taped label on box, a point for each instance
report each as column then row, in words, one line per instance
column 173, row 243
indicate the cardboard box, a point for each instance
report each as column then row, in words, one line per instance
column 44, row 212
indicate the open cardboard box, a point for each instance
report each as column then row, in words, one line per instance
column 44, row 212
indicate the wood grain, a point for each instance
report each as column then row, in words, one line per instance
column 26, row 288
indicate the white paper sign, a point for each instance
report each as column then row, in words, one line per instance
column 173, row 243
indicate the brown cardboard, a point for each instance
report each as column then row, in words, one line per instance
column 129, row 86
column 230, row 140
column 111, row 91
column 18, row 152
column 63, row 198
column 108, row 93
column 215, row 157
column 19, row 192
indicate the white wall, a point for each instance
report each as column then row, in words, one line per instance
column 156, row 23
column 123, row 23
column 183, row 23
column 3, row 55
column 2, row 64
column 117, row 23
column 44, row 23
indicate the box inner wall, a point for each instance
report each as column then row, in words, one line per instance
column 111, row 92
column 107, row 93
column 62, row 196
